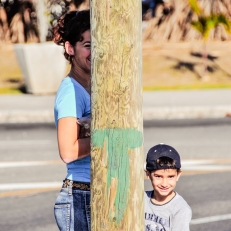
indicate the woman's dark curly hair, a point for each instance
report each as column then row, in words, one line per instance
column 70, row 27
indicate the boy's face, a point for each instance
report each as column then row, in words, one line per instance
column 164, row 182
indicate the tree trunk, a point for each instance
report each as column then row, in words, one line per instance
column 42, row 11
column 117, row 176
column 175, row 25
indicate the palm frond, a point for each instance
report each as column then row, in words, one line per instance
column 177, row 25
column 197, row 26
column 222, row 19
column 205, row 24
column 194, row 6
column 202, row 25
column 211, row 21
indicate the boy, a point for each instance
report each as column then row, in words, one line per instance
column 165, row 209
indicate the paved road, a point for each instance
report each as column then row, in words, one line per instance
column 29, row 159
column 205, row 149
column 162, row 105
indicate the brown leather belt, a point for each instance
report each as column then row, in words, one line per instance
column 76, row 185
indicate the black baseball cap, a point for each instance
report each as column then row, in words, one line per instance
column 161, row 150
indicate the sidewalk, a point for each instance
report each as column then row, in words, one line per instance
column 157, row 105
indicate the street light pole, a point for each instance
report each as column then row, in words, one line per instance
column 117, row 177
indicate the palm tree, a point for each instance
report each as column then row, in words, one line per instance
column 172, row 21
column 205, row 23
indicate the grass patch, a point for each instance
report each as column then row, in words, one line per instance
column 179, row 66
column 187, row 87
column 167, row 66
column 11, row 91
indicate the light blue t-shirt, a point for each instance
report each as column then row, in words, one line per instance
column 72, row 100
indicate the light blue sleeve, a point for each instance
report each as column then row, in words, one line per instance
column 69, row 101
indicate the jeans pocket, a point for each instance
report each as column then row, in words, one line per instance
column 62, row 215
column 88, row 215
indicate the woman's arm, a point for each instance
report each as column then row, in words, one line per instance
column 70, row 147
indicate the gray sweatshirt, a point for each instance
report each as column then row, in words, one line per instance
column 172, row 216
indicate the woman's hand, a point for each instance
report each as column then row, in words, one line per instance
column 85, row 126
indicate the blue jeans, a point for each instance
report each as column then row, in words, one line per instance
column 72, row 210
column 153, row 7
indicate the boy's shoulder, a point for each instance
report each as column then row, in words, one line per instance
column 148, row 194
column 175, row 214
column 180, row 202
column 176, row 204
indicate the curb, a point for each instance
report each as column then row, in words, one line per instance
column 167, row 113
column 149, row 113
column 23, row 116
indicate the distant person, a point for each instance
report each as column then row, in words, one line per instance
column 165, row 209
column 72, row 113
column 145, row 7
column 151, row 5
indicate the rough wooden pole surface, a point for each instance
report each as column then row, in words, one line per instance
column 117, row 121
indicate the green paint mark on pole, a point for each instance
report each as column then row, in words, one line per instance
column 118, row 142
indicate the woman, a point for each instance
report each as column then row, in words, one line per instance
column 72, row 207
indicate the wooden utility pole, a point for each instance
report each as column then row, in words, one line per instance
column 117, row 175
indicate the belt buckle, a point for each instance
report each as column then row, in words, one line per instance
column 70, row 183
